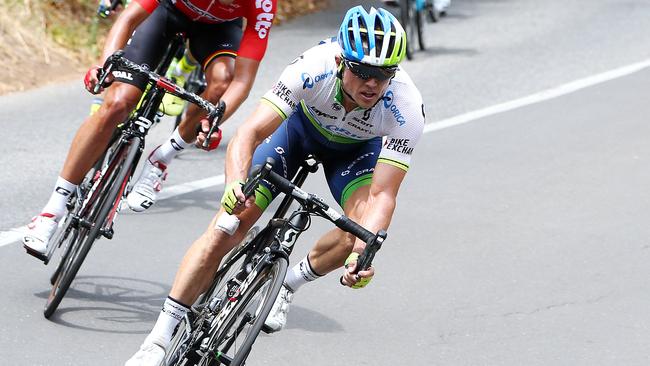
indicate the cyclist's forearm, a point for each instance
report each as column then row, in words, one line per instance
column 241, row 85
column 377, row 215
column 234, row 96
column 122, row 29
column 249, row 135
column 239, row 156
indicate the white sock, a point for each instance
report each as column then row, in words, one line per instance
column 300, row 274
column 62, row 191
column 171, row 314
column 165, row 153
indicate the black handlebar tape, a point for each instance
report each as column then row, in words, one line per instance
column 355, row 229
column 281, row 183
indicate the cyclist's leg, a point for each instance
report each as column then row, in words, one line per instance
column 193, row 277
column 218, row 75
column 179, row 71
column 94, row 133
column 209, row 43
column 215, row 47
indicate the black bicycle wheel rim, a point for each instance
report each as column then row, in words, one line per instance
column 67, row 273
column 274, row 276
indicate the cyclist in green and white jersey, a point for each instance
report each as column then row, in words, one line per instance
column 349, row 103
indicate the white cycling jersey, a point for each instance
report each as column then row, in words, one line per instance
column 310, row 86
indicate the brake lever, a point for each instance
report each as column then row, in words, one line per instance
column 215, row 120
column 258, row 174
column 106, row 69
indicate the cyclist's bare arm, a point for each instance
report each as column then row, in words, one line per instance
column 122, row 29
column 378, row 212
column 241, row 84
column 248, row 136
column 386, row 180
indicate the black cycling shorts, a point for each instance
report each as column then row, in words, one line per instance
column 150, row 40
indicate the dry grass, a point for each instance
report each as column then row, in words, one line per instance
column 35, row 42
column 43, row 41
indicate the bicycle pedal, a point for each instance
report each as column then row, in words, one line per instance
column 266, row 329
column 85, row 223
column 108, row 234
column 37, row 255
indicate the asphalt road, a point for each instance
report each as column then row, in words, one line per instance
column 521, row 237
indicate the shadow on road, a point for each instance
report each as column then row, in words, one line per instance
column 306, row 319
column 118, row 304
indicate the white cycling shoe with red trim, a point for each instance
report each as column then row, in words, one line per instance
column 38, row 235
column 146, row 189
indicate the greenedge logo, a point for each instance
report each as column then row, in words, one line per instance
column 388, row 104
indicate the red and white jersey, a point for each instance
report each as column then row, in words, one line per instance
column 258, row 13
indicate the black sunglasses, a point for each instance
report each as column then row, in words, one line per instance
column 365, row 72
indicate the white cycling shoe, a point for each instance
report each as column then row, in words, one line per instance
column 38, row 235
column 149, row 354
column 147, row 187
column 277, row 318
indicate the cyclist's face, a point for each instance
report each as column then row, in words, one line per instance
column 365, row 92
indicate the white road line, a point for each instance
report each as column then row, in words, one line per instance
column 191, row 186
column 13, row 235
column 537, row 97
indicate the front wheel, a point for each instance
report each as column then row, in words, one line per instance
column 102, row 201
column 237, row 333
column 182, row 349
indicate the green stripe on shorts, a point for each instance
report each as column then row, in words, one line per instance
column 351, row 187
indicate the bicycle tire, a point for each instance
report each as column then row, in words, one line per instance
column 72, row 247
column 432, row 13
column 174, row 356
column 273, row 274
column 83, row 187
column 405, row 13
column 105, row 204
column 66, row 231
column 419, row 26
